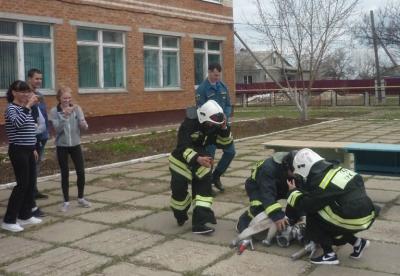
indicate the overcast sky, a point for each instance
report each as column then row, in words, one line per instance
column 244, row 9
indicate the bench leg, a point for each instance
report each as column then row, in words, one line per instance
column 347, row 160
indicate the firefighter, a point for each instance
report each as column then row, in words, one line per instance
column 336, row 204
column 190, row 163
column 266, row 185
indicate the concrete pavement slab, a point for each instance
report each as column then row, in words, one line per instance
column 122, row 269
column 48, row 185
column 116, row 182
column 66, row 231
column 74, row 208
column 182, row 255
column 240, row 164
column 166, row 219
column 231, row 181
column 115, row 195
column 383, row 184
column 60, row 261
column 235, row 215
column 5, row 195
column 116, row 215
column 222, row 208
column 383, row 230
column 151, row 201
column 154, row 186
column 113, row 171
column 256, row 263
column 392, row 214
column 143, row 165
column 224, row 233
column 332, row 270
column 147, row 174
column 382, row 196
column 73, row 190
column 379, row 257
column 238, row 173
column 17, row 247
column 118, row 242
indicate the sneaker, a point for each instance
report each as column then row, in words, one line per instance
column 83, row 203
column 38, row 213
column 64, row 207
column 329, row 258
column 12, row 227
column 202, row 229
column 359, row 248
column 31, row 220
column 41, row 196
column 218, row 184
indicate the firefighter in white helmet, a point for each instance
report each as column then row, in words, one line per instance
column 336, row 204
column 190, row 163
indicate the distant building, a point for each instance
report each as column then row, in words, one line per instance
column 128, row 62
column 249, row 71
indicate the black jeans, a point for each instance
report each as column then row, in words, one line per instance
column 77, row 158
column 21, row 199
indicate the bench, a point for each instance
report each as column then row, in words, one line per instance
column 331, row 151
column 375, row 158
column 370, row 158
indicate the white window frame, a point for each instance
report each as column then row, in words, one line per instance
column 20, row 39
column 206, row 52
column 100, row 45
column 160, row 49
column 246, row 79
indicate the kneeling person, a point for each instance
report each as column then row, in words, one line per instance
column 190, row 163
column 336, row 204
column 268, row 184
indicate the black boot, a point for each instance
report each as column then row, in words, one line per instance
column 217, row 181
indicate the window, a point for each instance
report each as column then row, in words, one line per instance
column 205, row 53
column 161, row 61
column 101, row 62
column 24, row 46
column 248, row 79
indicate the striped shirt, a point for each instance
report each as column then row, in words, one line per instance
column 20, row 126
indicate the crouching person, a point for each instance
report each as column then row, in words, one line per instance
column 266, row 185
column 336, row 204
column 190, row 163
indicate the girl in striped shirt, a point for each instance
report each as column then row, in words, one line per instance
column 20, row 130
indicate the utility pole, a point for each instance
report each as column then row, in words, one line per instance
column 378, row 73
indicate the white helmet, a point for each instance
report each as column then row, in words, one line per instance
column 211, row 112
column 304, row 160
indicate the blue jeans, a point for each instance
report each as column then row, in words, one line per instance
column 226, row 159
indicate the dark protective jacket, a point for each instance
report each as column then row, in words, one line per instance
column 266, row 185
column 193, row 138
column 337, row 195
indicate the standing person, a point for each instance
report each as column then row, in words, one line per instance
column 68, row 119
column 190, row 162
column 20, row 130
column 212, row 88
column 266, row 185
column 39, row 113
column 336, row 204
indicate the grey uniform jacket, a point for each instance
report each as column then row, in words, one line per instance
column 67, row 129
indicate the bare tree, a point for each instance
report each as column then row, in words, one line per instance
column 303, row 30
column 387, row 27
column 337, row 65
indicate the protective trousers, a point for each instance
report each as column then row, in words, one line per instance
column 201, row 198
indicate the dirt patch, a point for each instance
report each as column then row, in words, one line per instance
column 126, row 148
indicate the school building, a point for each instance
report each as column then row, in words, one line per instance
column 129, row 62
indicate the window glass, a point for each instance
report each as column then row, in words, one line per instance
column 170, row 69
column 36, row 30
column 113, row 67
column 199, row 44
column 112, row 37
column 213, row 59
column 8, row 63
column 8, row 28
column 38, row 55
column 151, row 74
column 87, row 35
column 213, row 45
column 150, row 40
column 171, row 42
column 88, row 66
column 198, row 68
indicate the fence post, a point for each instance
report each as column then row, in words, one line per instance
column 244, row 100
column 366, row 98
column 272, row 98
column 334, row 98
